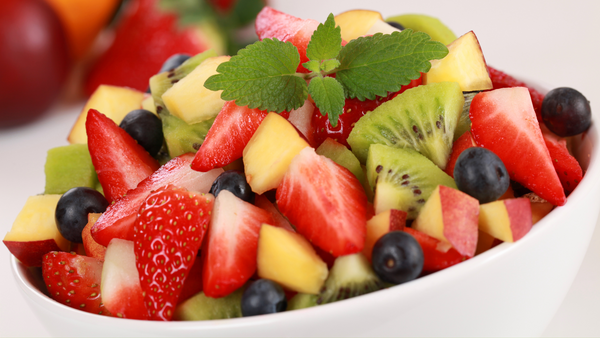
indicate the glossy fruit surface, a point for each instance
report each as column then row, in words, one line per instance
column 262, row 297
column 481, row 174
column 73, row 208
column 234, row 181
column 566, row 112
column 146, row 128
column 503, row 80
column 397, row 257
column 173, row 62
column 34, row 62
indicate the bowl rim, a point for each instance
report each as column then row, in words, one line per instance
column 590, row 181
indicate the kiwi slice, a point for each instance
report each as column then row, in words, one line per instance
column 69, row 167
column 181, row 137
column 202, row 307
column 426, row 24
column 350, row 276
column 464, row 121
column 403, row 178
column 422, row 118
column 302, row 301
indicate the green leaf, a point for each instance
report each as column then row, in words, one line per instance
column 313, row 66
column 378, row 64
column 263, row 75
column 328, row 95
column 326, row 41
column 329, row 65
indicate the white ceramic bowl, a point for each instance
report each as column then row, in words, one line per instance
column 510, row 290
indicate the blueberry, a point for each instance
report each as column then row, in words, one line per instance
column 234, row 181
column 566, row 112
column 262, row 297
column 73, row 208
column 173, row 62
column 146, row 128
column 397, row 257
column 395, row 25
column 481, row 174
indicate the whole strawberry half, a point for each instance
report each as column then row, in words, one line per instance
column 325, row 202
column 120, row 162
column 168, row 233
column 74, row 281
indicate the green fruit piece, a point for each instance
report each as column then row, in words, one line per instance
column 341, row 155
column 464, row 121
column 69, row 167
column 181, row 137
column 161, row 82
column 350, row 276
column 202, row 307
column 422, row 118
column 402, row 179
column 426, row 24
column 302, row 301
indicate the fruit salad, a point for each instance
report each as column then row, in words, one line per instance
column 287, row 176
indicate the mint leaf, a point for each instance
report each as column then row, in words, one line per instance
column 329, row 65
column 378, row 64
column 263, row 76
column 313, row 66
column 326, row 41
column 328, row 95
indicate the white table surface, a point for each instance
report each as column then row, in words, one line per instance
column 553, row 42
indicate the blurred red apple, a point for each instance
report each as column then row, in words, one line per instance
column 34, row 62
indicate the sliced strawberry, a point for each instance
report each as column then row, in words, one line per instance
column 74, row 281
column 229, row 134
column 271, row 23
column 229, row 253
column 354, row 109
column 502, row 80
column 117, row 221
column 325, row 202
column 436, row 256
column 461, row 144
column 121, row 163
column 504, row 122
column 193, row 282
column 279, row 220
column 168, row 233
column 566, row 166
column 144, row 38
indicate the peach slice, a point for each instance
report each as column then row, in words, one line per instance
column 381, row 224
column 507, row 220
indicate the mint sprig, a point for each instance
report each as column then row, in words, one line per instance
column 264, row 74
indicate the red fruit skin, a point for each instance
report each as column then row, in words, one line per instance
column 230, row 249
column 519, row 214
column 31, row 253
column 461, row 144
column 193, row 282
column 271, row 23
column 118, row 219
column 325, row 202
column 228, row 136
column 460, row 213
column 503, row 121
column 144, row 38
column 120, row 162
column 567, row 168
column 74, row 281
column 502, row 80
column 354, row 109
column 168, row 233
column 435, row 260
column 34, row 62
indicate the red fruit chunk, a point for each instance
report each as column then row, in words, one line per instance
column 117, row 221
column 502, row 80
column 436, row 258
column 566, row 166
column 354, row 109
column 193, row 282
column 504, row 122
column 228, row 136
column 168, row 233
column 325, row 202
column 74, row 281
column 120, row 162
column 463, row 143
column 271, row 23
column 144, row 38
column 229, row 253
column 263, row 202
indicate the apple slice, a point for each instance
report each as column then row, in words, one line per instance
column 450, row 216
column 507, row 220
column 464, row 64
column 381, row 224
column 34, row 232
column 360, row 22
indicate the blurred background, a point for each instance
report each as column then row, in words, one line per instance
column 54, row 53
